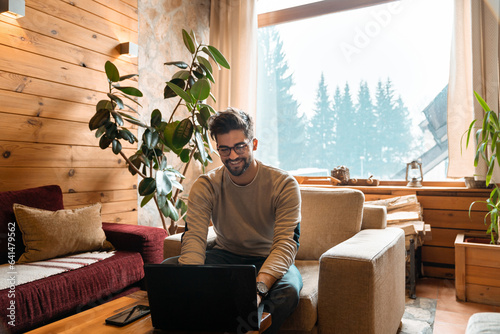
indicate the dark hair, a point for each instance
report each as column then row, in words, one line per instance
column 230, row 119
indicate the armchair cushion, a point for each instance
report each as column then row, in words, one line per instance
column 305, row 316
column 329, row 216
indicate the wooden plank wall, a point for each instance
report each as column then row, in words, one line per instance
column 51, row 77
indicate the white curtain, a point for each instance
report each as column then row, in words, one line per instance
column 233, row 30
column 474, row 67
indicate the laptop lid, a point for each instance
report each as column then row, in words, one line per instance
column 203, row 298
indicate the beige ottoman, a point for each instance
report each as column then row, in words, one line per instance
column 484, row 323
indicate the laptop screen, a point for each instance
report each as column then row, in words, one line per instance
column 203, row 298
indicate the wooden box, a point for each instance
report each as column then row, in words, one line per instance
column 477, row 271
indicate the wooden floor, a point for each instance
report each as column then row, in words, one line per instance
column 451, row 315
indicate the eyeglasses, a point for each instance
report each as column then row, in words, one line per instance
column 239, row 148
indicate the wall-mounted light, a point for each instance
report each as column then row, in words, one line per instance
column 129, row 49
column 12, row 8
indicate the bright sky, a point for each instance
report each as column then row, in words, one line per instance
column 407, row 41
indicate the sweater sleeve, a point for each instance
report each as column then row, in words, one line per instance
column 194, row 239
column 286, row 230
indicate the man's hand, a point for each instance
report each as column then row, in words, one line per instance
column 259, row 300
column 268, row 280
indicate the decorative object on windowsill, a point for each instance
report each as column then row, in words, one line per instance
column 472, row 183
column 341, row 173
column 414, row 175
column 364, row 182
column 187, row 138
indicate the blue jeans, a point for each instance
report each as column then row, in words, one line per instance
column 283, row 296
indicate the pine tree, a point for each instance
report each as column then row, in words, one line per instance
column 394, row 129
column 346, row 130
column 281, row 129
column 366, row 130
column 321, row 136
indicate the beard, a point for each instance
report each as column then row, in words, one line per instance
column 237, row 170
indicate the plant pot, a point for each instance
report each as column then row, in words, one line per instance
column 477, row 270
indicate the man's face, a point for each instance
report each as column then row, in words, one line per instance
column 235, row 140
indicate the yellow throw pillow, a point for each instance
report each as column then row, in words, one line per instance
column 49, row 234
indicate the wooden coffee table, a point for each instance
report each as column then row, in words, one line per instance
column 93, row 320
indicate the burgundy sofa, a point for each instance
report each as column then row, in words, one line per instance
column 48, row 299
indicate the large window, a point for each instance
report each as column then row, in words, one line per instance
column 365, row 88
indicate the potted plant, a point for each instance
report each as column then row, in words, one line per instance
column 187, row 138
column 477, row 264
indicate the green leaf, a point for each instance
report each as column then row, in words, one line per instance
column 179, row 64
column 210, row 108
column 99, row 119
column 150, row 138
column 208, row 74
column 181, row 205
column 111, row 72
column 201, row 147
column 184, row 156
column 193, row 36
column 100, row 131
column 209, row 143
column 147, row 186
column 111, row 130
column 188, row 42
column 201, row 89
column 128, row 76
column 168, row 134
column 174, row 215
column 146, row 199
column 118, row 101
column 163, row 183
column 133, row 120
column 205, row 63
column 482, row 102
column 183, row 133
column 172, row 89
column 184, row 75
column 118, row 118
column 116, row 147
column 209, row 53
column 127, row 135
column 218, row 57
column 130, row 91
column 156, row 118
column 104, row 142
column 104, row 104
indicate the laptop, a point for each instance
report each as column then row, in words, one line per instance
column 200, row 298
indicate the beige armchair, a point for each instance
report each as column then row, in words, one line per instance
column 352, row 266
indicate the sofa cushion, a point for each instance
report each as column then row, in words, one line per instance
column 305, row 316
column 329, row 216
column 47, row 197
column 58, row 295
column 48, row 234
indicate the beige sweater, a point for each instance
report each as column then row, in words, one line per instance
column 258, row 219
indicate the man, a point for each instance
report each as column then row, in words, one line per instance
column 255, row 210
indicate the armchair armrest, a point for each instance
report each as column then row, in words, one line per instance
column 374, row 216
column 172, row 244
column 146, row 240
column 363, row 275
